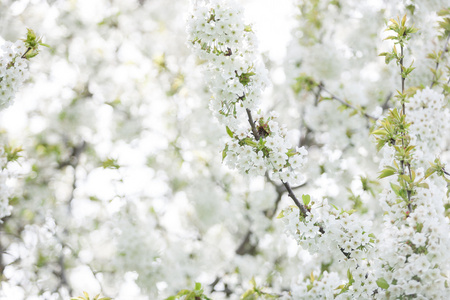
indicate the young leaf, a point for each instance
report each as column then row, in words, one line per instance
column 382, row 283
column 306, row 199
column 386, row 173
column 224, row 152
column 198, row 286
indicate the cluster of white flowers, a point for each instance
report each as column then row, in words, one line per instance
column 131, row 244
column 237, row 78
column 330, row 285
column 338, row 235
column 326, row 229
column 5, row 190
column 429, row 114
column 271, row 153
column 317, row 286
column 414, row 249
column 388, row 153
column 13, row 71
column 412, row 255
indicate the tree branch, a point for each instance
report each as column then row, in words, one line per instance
column 246, row 247
column 345, row 103
column 293, row 197
column 252, row 124
column 385, row 105
column 445, row 172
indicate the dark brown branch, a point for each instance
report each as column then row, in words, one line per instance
column 252, row 124
column 305, row 139
column 293, row 197
column 73, row 158
column 270, row 213
column 280, row 190
column 61, row 273
column 246, row 247
column 317, row 93
column 385, row 105
column 24, row 55
column 445, row 172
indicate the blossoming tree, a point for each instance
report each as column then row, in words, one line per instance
column 117, row 179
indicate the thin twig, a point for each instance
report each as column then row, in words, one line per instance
column 403, row 134
column 28, row 50
column 345, row 103
column 385, row 105
column 317, row 93
column 437, row 62
column 445, row 172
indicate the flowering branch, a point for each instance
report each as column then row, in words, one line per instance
column 286, row 184
column 394, row 128
column 13, row 65
column 237, row 78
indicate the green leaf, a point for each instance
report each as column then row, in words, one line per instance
column 250, row 142
column 334, row 206
column 430, row 171
column 230, row 133
column 12, row 154
column 395, row 188
column 423, row 185
column 306, row 199
column 379, row 132
column 280, row 215
column 110, row 163
column 48, row 46
column 404, row 20
column 443, row 12
column 183, row 292
column 382, row 283
column 248, row 295
column 386, row 173
column 224, row 152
